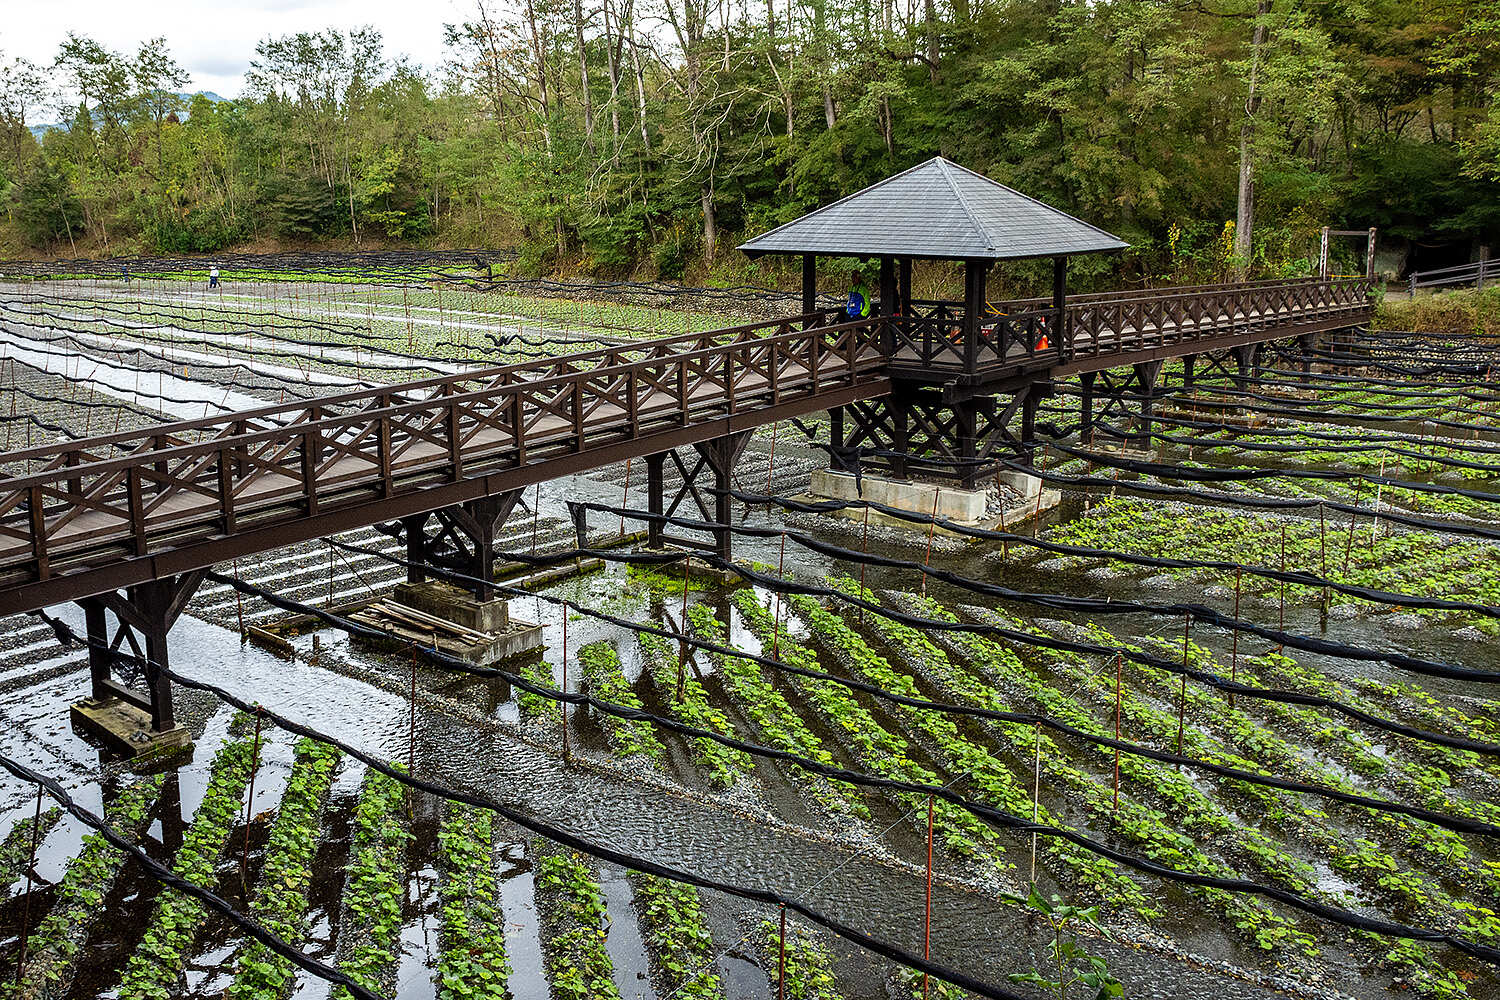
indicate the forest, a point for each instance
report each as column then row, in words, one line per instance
column 647, row 137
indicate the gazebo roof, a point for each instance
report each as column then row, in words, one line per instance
column 936, row 210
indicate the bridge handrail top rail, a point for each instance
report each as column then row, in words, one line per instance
column 19, row 484
column 1173, row 294
column 334, row 399
column 1160, row 293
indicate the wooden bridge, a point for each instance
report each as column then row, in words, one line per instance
column 127, row 523
column 123, row 509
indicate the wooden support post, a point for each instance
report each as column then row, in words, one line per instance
column 1086, row 406
column 654, row 501
column 98, row 639
column 414, row 528
column 722, row 454
column 1028, row 427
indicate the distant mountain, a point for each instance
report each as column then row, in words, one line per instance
column 41, row 130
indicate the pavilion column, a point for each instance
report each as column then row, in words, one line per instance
column 1059, row 306
column 809, row 282
column 974, row 275
column 903, row 296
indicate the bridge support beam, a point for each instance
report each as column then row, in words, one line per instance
column 718, row 458
column 128, row 718
column 465, row 539
column 1244, row 360
column 938, row 434
column 1086, row 406
column 1146, row 374
column 1306, row 344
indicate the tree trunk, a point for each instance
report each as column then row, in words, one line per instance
column 710, row 231
column 583, row 76
column 612, row 43
column 1244, row 219
column 930, row 10
column 640, row 92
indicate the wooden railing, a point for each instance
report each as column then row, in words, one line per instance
column 127, row 507
column 1028, row 333
column 285, row 474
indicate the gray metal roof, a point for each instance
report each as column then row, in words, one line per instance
column 936, row 209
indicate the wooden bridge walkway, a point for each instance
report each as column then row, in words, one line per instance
column 117, row 510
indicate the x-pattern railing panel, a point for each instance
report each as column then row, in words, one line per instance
column 116, row 494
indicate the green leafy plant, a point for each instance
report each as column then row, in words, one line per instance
column 1071, row 964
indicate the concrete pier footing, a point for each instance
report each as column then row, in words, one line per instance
column 1020, row 497
column 125, row 729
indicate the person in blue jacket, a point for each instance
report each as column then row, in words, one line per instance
column 858, row 306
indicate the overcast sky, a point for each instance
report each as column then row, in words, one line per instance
column 214, row 42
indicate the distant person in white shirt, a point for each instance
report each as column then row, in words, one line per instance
column 213, row 277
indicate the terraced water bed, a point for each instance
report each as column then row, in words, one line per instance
column 405, row 890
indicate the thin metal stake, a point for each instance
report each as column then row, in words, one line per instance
column 536, row 516
column 1036, row 796
column 776, row 618
column 1323, row 554
column 250, row 804
column 927, row 919
column 36, row 826
column 239, row 604
column 682, row 649
column 1234, row 656
column 771, row 463
column 1349, row 545
column 931, row 527
column 567, row 753
column 1281, row 612
column 625, row 501
column 1119, row 670
column 411, row 741
column 781, row 960
column 864, row 548
column 1187, row 621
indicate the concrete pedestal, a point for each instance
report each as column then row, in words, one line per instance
column 126, row 729
column 437, row 597
column 953, row 503
column 968, row 508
